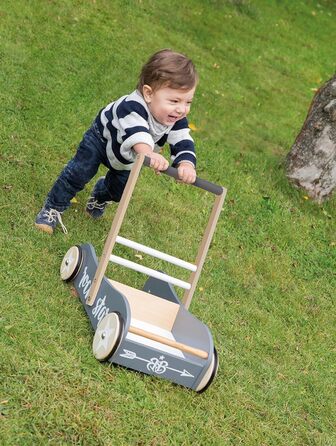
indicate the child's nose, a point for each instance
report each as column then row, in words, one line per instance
column 181, row 109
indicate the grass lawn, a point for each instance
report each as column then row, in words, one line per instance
column 267, row 290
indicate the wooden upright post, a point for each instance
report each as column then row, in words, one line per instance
column 115, row 228
column 204, row 246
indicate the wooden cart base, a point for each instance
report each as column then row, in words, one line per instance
column 189, row 360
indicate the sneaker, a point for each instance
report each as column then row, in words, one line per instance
column 94, row 207
column 48, row 219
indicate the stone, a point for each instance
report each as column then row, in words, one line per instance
column 331, row 109
column 333, row 88
column 311, row 162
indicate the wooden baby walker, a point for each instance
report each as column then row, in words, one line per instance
column 148, row 330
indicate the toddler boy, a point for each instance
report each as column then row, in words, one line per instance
column 141, row 122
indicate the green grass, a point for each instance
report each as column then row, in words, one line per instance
column 268, row 287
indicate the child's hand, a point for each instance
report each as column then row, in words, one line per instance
column 186, row 173
column 158, row 162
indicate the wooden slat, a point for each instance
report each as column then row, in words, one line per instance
column 155, row 253
column 149, row 271
column 180, row 346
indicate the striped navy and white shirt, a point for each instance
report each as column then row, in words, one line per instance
column 128, row 121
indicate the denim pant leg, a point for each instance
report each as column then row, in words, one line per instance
column 115, row 182
column 78, row 172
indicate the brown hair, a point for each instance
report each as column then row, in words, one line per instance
column 168, row 68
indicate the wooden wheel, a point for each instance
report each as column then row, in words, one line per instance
column 107, row 336
column 71, row 263
column 209, row 374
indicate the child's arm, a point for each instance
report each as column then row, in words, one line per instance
column 183, row 151
column 158, row 162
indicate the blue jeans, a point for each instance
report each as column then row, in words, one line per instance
column 82, row 168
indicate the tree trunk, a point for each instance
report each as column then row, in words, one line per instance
column 311, row 162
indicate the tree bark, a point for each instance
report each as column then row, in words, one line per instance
column 311, row 162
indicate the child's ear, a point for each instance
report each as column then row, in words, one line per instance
column 147, row 93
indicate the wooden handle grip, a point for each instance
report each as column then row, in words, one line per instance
column 203, row 184
column 185, row 348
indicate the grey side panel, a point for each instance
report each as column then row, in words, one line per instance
column 157, row 363
column 161, row 289
column 108, row 299
column 191, row 331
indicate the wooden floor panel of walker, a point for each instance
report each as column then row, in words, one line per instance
column 149, row 308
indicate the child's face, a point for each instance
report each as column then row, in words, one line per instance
column 168, row 105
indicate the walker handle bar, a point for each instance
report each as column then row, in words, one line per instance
column 203, row 184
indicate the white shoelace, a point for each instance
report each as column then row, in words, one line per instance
column 94, row 204
column 54, row 215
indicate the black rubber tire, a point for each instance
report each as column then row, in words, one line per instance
column 213, row 373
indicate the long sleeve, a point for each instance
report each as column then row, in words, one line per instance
column 133, row 125
column 124, row 123
column 181, row 143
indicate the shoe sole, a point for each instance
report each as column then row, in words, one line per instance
column 44, row 228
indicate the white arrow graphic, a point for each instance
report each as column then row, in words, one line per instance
column 184, row 373
column 156, row 365
column 128, row 354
